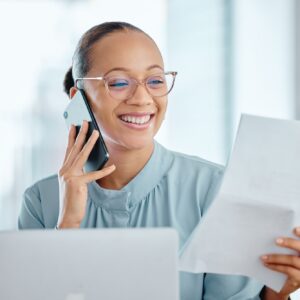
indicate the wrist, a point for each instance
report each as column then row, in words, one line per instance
column 287, row 297
column 269, row 294
column 67, row 224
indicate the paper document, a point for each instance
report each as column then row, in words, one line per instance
column 258, row 201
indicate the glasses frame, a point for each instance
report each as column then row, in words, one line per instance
column 137, row 82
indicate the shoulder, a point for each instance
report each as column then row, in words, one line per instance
column 193, row 160
column 40, row 204
column 194, row 178
column 45, row 187
column 187, row 164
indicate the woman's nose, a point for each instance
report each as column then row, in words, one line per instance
column 140, row 96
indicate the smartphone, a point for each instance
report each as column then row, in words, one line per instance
column 75, row 113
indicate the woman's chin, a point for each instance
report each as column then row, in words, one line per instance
column 130, row 144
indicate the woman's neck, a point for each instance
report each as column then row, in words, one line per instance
column 128, row 164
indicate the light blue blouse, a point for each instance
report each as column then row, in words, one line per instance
column 172, row 190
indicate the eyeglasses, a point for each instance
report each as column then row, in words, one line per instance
column 123, row 87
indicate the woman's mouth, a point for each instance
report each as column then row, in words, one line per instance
column 137, row 121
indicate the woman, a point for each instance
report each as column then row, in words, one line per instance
column 145, row 185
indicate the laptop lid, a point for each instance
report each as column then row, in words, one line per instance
column 89, row 264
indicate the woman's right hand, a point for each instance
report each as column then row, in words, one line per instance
column 72, row 179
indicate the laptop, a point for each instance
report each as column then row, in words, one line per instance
column 89, row 264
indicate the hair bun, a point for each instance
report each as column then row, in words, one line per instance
column 68, row 81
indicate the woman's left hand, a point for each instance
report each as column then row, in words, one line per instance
column 287, row 264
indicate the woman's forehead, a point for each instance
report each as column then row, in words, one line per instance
column 125, row 49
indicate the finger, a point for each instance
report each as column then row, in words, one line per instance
column 71, row 141
column 92, row 176
column 281, row 259
column 297, row 231
column 290, row 271
column 289, row 243
column 78, row 143
column 86, row 150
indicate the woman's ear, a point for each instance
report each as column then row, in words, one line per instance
column 72, row 91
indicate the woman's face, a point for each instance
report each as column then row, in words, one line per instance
column 132, row 123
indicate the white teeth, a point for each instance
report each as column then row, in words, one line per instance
column 136, row 120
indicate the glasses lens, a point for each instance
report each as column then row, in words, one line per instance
column 122, row 88
column 160, row 84
column 119, row 88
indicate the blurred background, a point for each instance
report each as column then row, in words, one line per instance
column 232, row 57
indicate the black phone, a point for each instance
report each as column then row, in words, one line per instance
column 75, row 113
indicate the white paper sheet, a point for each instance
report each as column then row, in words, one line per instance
column 259, row 200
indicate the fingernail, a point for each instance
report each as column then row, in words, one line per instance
column 298, row 230
column 279, row 241
column 264, row 257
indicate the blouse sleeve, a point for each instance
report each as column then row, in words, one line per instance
column 31, row 214
column 230, row 287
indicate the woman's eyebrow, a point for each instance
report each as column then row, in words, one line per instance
column 117, row 69
column 155, row 66
column 127, row 70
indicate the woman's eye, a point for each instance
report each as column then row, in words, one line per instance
column 118, row 84
column 155, row 82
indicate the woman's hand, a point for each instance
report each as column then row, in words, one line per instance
column 72, row 179
column 287, row 264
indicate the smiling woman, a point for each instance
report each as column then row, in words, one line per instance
column 122, row 73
